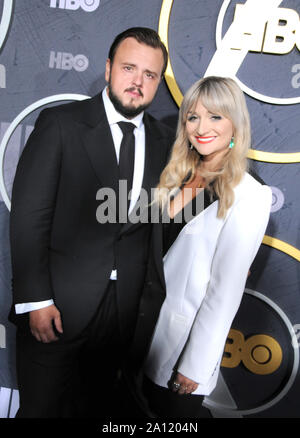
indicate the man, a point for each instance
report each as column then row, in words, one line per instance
column 77, row 282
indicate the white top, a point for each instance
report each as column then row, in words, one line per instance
column 206, row 270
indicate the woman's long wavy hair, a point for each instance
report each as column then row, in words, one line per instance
column 220, row 96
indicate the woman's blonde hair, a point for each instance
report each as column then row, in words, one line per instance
column 219, row 96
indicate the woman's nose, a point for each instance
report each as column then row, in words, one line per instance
column 203, row 126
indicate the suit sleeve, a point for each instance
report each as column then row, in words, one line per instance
column 32, row 209
column 238, row 244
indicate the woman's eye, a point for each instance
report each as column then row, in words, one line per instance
column 215, row 117
column 191, row 118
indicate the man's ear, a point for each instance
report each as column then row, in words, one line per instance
column 107, row 70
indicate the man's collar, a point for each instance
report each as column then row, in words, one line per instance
column 114, row 117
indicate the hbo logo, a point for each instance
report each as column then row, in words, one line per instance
column 66, row 61
column 73, row 5
column 261, row 354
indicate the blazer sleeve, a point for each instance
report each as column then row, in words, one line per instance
column 237, row 246
column 32, row 208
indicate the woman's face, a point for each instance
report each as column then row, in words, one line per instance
column 209, row 133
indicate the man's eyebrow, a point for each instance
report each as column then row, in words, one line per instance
column 128, row 63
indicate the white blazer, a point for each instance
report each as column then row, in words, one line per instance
column 206, row 270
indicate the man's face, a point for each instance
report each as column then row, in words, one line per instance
column 134, row 76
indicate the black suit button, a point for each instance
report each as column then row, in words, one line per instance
column 149, row 283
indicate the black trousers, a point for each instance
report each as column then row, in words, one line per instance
column 165, row 403
column 75, row 378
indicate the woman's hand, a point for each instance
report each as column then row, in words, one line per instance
column 186, row 386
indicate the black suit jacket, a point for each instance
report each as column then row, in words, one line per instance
column 59, row 250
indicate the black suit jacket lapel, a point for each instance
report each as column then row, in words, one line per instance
column 99, row 145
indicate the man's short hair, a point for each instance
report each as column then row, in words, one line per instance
column 143, row 35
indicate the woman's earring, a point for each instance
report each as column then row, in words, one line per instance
column 191, row 147
column 231, row 144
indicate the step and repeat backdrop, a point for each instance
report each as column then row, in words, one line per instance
column 54, row 51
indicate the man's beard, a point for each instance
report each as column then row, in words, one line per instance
column 127, row 111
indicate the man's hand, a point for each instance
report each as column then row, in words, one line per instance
column 187, row 386
column 41, row 323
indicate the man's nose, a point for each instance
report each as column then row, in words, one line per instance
column 138, row 79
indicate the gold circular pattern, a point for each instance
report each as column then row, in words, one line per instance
column 163, row 29
column 282, row 246
column 267, row 346
column 261, row 354
column 274, row 157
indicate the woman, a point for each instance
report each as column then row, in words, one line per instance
column 207, row 259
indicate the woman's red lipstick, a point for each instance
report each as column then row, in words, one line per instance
column 205, row 140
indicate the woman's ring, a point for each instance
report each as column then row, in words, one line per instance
column 176, row 385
